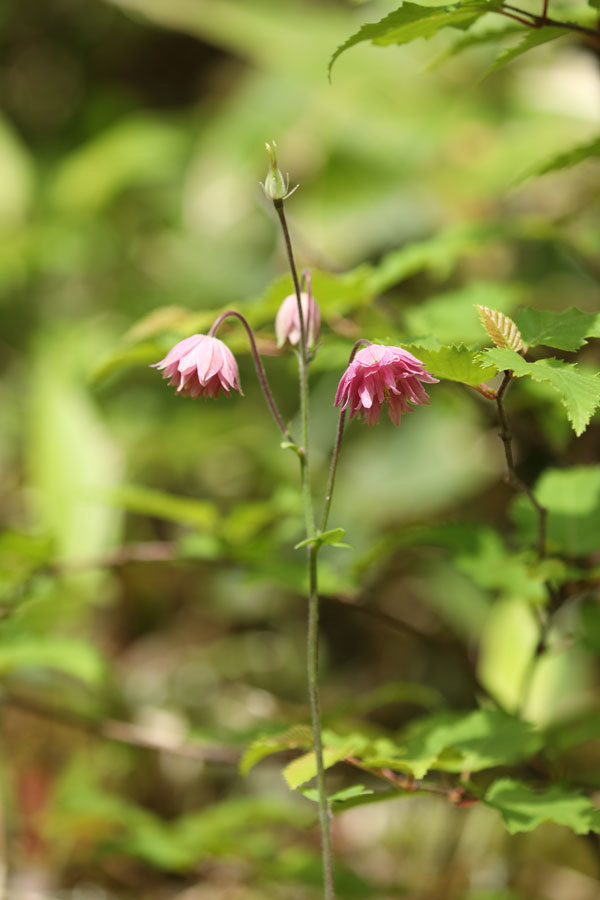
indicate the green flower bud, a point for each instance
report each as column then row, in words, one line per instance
column 276, row 186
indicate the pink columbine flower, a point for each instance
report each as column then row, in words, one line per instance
column 200, row 366
column 379, row 375
column 287, row 321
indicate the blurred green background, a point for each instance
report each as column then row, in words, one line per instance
column 146, row 562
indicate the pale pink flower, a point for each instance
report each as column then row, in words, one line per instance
column 200, row 366
column 379, row 375
column 287, row 321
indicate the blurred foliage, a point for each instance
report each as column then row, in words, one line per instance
column 153, row 620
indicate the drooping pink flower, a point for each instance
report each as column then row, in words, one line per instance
column 200, row 366
column 287, row 321
column 379, row 375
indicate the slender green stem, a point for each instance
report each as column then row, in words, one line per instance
column 262, row 377
column 337, row 447
column 313, row 597
column 315, row 712
column 518, row 483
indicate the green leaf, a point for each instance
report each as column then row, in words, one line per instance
column 475, row 40
column 304, row 768
column 531, row 39
column 332, row 536
column 565, row 330
column 579, row 393
column 523, row 808
column 455, row 742
column 508, row 643
column 148, row 502
column 349, row 793
column 490, row 564
column 76, row 658
column 453, row 363
column 452, row 316
column 572, row 498
column 411, row 21
column 565, row 160
column 292, row 739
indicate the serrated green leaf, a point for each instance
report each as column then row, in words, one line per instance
column 453, row 363
column 292, row 739
column 564, row 160
column 531, row 39
column 500, row 328
column 523, row 808
column 412, row 21
column 579, row 393
column 453, row 742
column 565, row 330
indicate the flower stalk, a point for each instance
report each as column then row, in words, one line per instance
column 312, row 653
column 260, row 371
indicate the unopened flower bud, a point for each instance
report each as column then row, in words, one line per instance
column 276, row 186
column 287, row 321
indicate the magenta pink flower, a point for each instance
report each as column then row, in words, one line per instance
column 200, row 366
column 287, row 321
column 379, row 375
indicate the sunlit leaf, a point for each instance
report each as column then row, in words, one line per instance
column 453, row 364
column 508, row 643
column 292, row 739
column 411, row 21
column 455, row 742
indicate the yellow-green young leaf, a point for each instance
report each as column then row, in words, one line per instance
column 304, row 768
column 294, row 738
column 501, row 329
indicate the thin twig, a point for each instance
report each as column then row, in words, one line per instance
column 539, row 21
column 506, row 438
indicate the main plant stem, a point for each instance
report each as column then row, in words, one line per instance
column 312, row 652
column 518, row 483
